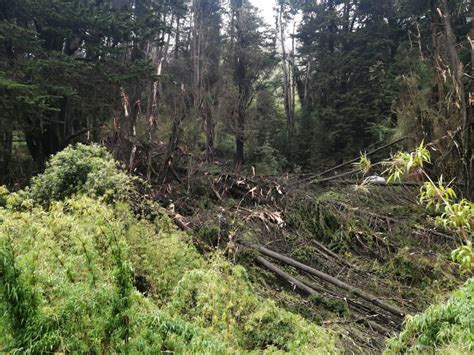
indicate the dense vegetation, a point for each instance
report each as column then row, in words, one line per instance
column 87, row 275
column 446, row 328
column 212, row 80
column 338, row 136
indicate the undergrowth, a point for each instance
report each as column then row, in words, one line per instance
column 444, row 328
column 82, row 272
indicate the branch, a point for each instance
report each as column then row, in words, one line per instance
column 357, row 159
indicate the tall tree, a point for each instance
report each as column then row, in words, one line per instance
column 344, row 81
column 207, row 43
column 250, row 55
column 67, row 62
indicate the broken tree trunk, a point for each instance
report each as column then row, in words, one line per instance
column 285, row 276
column 328, row 278
column 310, row 289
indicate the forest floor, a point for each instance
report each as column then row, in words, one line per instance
column 355, row 259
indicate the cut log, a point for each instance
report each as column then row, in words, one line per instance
column 309, row 290
column 328, row 278
column 294, row 282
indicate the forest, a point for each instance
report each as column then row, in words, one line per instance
column 237, row 176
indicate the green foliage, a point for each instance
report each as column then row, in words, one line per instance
column 267, row 160
column 436, row 195
column 3, row 196
column 221, row 298
column 68, row 276
column 364, row 164
column 448, row 326
column 464, row 255
column 312, row 216
column 457, row 216
column 81, row 274
column 402, row 164
column 81, row 169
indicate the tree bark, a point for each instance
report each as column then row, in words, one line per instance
column 458, row 73
column 332, row 280
column 286, row 79
column 294, row 282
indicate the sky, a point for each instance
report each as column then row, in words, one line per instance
column 266, row 9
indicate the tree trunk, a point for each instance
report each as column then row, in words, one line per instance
column 5, row 154
column 179, row 114
column 240, row 138
column 286, row 79
column 209, row 128
column 458, row 73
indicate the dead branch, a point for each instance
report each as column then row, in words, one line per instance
column 357, row 159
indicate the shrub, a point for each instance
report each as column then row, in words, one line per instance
column 80, row 169
column 67, row 278
column 220, row 298
column 267, row 160
column 447, row 327
column 81, row 274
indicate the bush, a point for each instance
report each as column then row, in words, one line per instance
column 80, row 169
column 444, row 328
column 67, row 281
column 267, row 160
column 220, row 298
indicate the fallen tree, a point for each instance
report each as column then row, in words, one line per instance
column 330, row 279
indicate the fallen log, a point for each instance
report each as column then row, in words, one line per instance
column 316, row 181
column 309, row 290
column 328, row 278
column 385, row 184
column 294, row 282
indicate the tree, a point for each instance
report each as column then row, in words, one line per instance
column 344, row 79
column 206, row 54
column 66, row 64
column 251, row 57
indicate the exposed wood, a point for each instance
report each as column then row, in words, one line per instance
column 293, row 281
column 328, row 278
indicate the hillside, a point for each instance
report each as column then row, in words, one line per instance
column 90, row 264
